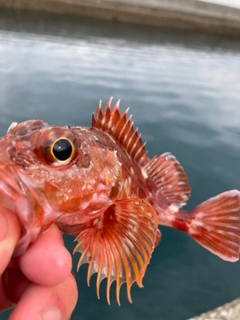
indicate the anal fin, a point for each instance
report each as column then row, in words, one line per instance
column 118, row 245
column 168, row 177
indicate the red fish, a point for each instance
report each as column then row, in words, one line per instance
column 98, row 184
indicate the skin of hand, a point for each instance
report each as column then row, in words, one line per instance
column 39, row 284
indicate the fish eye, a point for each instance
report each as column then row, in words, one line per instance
column 57, row 147
column 62, row 149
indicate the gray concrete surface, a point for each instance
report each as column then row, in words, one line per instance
column 181, row 14
column 229, row 311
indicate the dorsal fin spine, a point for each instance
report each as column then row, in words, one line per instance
column 127, row 123
column 131, row 140
column 118, row 130
column 128, row 127
column 115, row 115
column 121, row 129
column 108, row 105
column 135, row 144
column 120, row 124
column 99, row 111
column 107, row 115
column 136, row 139
column 139, row 152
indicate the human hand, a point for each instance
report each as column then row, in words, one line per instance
column 39, row 284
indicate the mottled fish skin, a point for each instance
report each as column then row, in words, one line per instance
column 99, row 184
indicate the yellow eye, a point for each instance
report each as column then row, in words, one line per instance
column 57, row 147
column 62, row 149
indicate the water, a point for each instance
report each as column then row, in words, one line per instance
column 184, row 94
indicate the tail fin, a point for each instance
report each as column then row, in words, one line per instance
column 215, row 224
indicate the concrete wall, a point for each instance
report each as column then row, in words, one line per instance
column 229, row 311
column 181, row 14
column 198, row 8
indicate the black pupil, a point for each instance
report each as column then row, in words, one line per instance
column 62, row 149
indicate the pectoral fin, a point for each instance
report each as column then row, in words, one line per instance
column 118, row 245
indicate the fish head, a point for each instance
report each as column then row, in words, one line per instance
column 62, row 171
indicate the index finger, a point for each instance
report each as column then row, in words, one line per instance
column 9, row 236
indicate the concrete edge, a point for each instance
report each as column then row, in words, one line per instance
column 229, row 311
column 130, row 12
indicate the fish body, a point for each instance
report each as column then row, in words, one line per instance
column 99, row 184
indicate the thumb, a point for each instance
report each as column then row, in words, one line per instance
column 9, row 236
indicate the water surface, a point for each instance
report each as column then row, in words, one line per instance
column 184, row 94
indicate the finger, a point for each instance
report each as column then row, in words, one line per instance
column 9, row 235
column 12, row 285
column 44, row 303
column 47, row 261
column 5, row 303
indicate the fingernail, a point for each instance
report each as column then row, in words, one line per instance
column 3, row 226
column 51, row 313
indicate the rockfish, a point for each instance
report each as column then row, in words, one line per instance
column 99, row 185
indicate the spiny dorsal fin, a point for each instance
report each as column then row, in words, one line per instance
column 120, row 128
